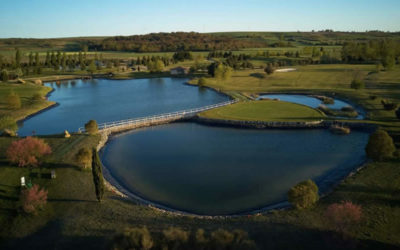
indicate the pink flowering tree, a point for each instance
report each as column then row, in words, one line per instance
column 342, row 216
column 33, row 199
column 28, row 151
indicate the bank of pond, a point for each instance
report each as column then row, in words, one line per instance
column 193, row 167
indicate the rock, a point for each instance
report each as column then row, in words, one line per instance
column 38, row 82
column 66, row 134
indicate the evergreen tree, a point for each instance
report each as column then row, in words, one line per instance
column 47, row 61
column 37, row 59
column 17, row 58
column 30, row 63
column 97, row 175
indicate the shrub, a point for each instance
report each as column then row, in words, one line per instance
column 8, row 123
column 202, row 81
column 33, row 199
column 133, row 238
column 357, row 84
column 348, row 109
column 91, row 127
column 28, row 151
column 373, row 97
column 387, row 105
column 380, row 145
column 84, row 157
column 4, row 76
column 303, row 194
column 269, row 69
column 342, row 216
column 97, row 175
column 13, row 101
column 175, row 237
column 398, row 113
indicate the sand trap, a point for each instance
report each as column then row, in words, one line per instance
column 285, row 70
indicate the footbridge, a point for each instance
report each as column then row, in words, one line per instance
column 122, row 125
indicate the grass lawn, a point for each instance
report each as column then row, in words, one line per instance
column 26, row 93
column 264, row 110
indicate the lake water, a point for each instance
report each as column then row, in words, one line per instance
column 192, row 167
column 311, row 101
column 217, row 170
column 111, row 100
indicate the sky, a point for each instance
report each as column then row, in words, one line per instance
column 72, row 18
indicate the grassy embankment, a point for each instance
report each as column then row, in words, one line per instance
column 265, row 110
column 72, row 218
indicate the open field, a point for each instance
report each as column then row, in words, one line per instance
column 265, row 110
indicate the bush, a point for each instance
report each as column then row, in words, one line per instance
column 398, row 113
column 303, row 194
column 387, row 105
column 33, row 199
column 4, row 76
column 175, row 237
column 238, row 239
column 8, row 123
column 373, row 97
column 91, row 127
column 380, row 145
column 133, row 238
column 28, row 151
column 84, row 157
column 269, row 69
column 357, row 84
column 342, row 216
column 13, row 101
column 348, row 109
column 202, row 81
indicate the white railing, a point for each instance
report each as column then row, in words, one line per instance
column 153, row 118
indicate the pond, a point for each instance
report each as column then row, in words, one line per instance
column 310, row 101
column 218, row 171
column 111, row 100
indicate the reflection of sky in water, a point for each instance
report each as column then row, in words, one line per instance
column 215, row 170
column 112, row 100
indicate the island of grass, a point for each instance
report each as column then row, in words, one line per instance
column 266, row 111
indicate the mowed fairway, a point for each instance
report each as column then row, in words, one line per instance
column 311, row 77
column 265, row 110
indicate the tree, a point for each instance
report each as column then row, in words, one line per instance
column 133, row 238
column 202, row 81
column 388, row 62
column 342, row 216
column 357, row 84
column 84, row 157
column 28, row 151
column 17, row 58
column 380, row 145
column 7, row 123
column 269, row 69
column 175, row 237
column 97, row 175
column 303, row 194
column 33, row 199
column 4, row 75
column 13, row 101
column 92, row 67
column 37, row 62
column 91, row 127
column 398, row 113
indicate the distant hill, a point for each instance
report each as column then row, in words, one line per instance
column 192, row 41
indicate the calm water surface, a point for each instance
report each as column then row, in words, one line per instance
column 311, row 101
column 215, row 170
column 107, row 100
